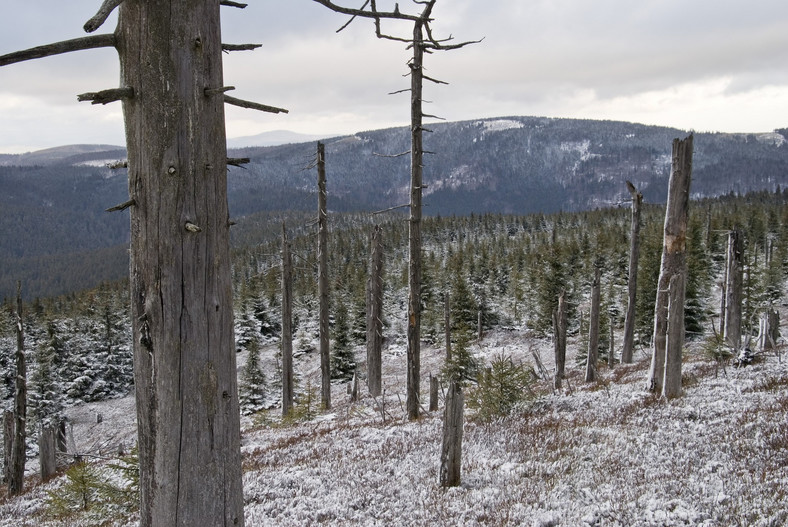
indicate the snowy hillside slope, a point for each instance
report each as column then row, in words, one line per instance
column 596, row 454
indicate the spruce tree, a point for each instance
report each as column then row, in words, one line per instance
column 251, row 389
column 343, row 360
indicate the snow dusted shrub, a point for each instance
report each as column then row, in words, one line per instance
column 461, row 365
column 501, row 388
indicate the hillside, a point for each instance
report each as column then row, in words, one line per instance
column 56, row 237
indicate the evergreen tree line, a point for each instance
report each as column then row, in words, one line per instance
column 503, row 270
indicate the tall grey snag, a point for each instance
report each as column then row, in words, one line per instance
column 421, row 42
column 375, row 313
column 322, row 278
column 734, row 270
column 16, row 468
column 559, row 340
column 593, row 330
column 674, row 255
column 173, row 99
column 671, row 386
column 287, row 325
column 634, row 256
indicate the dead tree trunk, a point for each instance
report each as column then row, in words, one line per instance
column 375, row 314
column 414, row 224
column 769, row 330
column 16, row 473
column 8, row 442
column 611, row 351
column 47, row 452
column 634, row 256
column 734, row 271
column 674, row 253
column 322, row 278
column 559, row 340
column 287, row 325
column 451, row 451
column 181, row 297
column 593, row 330
column 433, row 393
column 182, row 314
column 674, row 344
column 447, row 324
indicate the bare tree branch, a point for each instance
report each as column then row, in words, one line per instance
column 66, row 46
column 253, row 105
column 240, row 47
column 238, row 161
column 392, row 155
column 228, row 3
column 123, row 206
column 216, row 91
column 107, row 96
column 103, row 13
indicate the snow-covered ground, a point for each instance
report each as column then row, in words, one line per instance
column 597, row 454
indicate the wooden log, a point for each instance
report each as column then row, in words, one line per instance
column 451, row 451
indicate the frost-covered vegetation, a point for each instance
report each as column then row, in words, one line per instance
column 605, row 453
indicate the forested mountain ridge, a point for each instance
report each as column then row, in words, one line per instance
column 56, row 237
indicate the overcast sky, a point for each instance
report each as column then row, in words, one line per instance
column 707, row 65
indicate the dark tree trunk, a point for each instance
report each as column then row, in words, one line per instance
column 447, row 324
column 559, row 341
column 375, row 314
column 8, row 444
column 47, row 452
column 433, row 393
column 451, row 451
column 674, row 254
column 593, row 330
column 634, row 256
column 322, row 278
column 181, row 295
column 414, row 234
column 16, row 473
column 287, row 325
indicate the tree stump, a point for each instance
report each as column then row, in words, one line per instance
column 451, row 453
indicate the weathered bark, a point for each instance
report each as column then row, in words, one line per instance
column 734, row 271
column 8, row 441
column 479, row 327
column 182, row 315
column 322, row 278
column 634, row 256
column 447, row 324
column 414, row 224
column 433, row 393
column 593, row 330
column 674, row 344
column 47, row 452
column 611, row 351
column 674, row 253
column 287, row 325
column 375, row 314
column 16, row 473
column 559, row 340
column 769, row 329
column 451, row 451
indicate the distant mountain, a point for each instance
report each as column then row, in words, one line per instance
column 276, row 137
column 52, row 202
